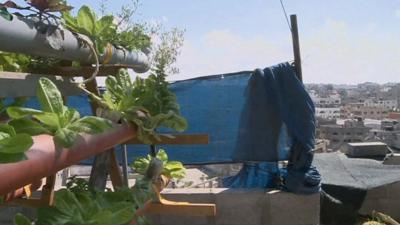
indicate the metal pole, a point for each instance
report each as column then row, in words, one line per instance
column 296, row 46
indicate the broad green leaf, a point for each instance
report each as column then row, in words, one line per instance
column 177, row 123
column 4, row 135
column 114, row 88
column 103, row 217
column 162, row 155
column 16, row 144
column 87, row 20
column 140, row 165
column 28, row 126
column 4, row 128
column 50, row 119
column 91, row 125
column 173, row 165
column 104, row 23
column 11, row 158
column 20, row 112
column 70, row 21
column 49, row 96
column 65, row 137
column 123, row 79
column 70, row 115
column 122, row 213
column 20, row 219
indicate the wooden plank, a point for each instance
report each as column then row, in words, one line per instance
column 24, row 84
column 48, row 190
column 115, row 172
column 99, row 172
column 101, row 164
column 180, row 139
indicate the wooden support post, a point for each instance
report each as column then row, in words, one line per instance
column 115, row 172
column 102, row 162
column 105, row 163
column 296, row 46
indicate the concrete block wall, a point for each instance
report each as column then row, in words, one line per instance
column 245, row 207
column 385, row 199
column 234, row 207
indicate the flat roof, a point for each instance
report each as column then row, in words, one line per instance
column 366, row 143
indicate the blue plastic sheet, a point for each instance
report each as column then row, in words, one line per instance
column 263, row 115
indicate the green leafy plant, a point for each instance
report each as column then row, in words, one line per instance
column 19, row 101
column 14, row 62
column 49, row 5
column 148, row 103
column 78, row 204
column 170, row 169
column 86, row 22
column 105, row 30
column 54, row 118
column 13, row 145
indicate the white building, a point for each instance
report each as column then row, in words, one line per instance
column 386, row 104
column 327, row 113
column 327, row 102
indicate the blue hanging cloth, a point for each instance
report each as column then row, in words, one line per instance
column 276, row 123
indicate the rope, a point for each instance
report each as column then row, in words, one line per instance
column 285, row 14
column 108, row 55
column 96, row 58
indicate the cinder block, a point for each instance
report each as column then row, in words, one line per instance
column 385, row 199
column 186, row 195
column 240, row 206
column 289, row 209
column 366, row 149
column 245, row 207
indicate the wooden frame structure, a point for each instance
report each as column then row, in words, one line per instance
column 105, row 163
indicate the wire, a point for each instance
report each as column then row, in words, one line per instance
column 96, row 59
column 287, row 19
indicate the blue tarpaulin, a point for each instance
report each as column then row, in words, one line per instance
column 263, row 115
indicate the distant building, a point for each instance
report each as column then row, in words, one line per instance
column 394, row 115
column 350, row 131
column 380, row 103
column 327, row 107
column 388, row 133
column 327, row 113
column 359, row 110
column 327, row 102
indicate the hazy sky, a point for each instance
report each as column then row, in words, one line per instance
column 342, row 41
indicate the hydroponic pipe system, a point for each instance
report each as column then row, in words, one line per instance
column 22, row 35
column 44, row 158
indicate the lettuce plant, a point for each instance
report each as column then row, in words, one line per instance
column 55, row 118
column 12, row 145
column 78, row 204
column 148, row 103
column 170, row 169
